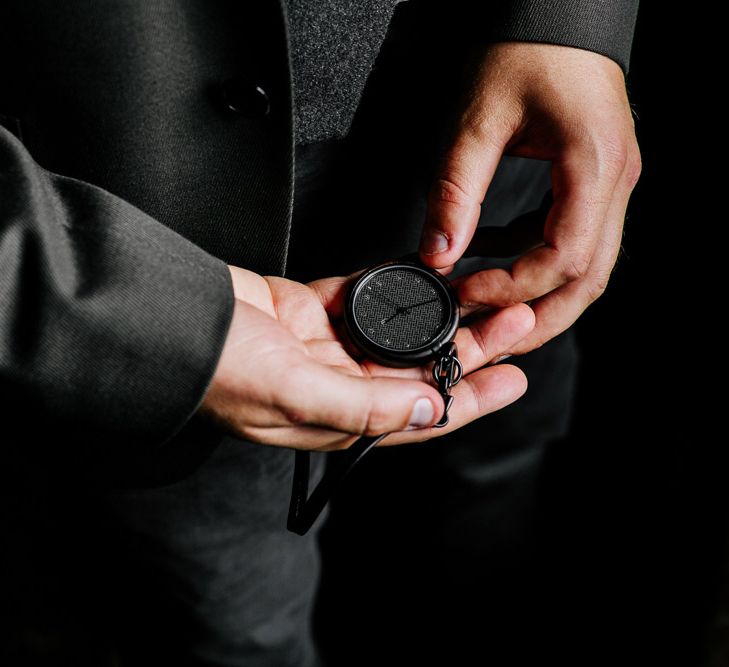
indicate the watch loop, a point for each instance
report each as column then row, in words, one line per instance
column 447, row 373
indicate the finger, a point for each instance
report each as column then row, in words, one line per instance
column 559, row 309
column 483, row 392
column 493, row 336
column 583, row 193
column 311, row 438
column 251, row 288
column 478, row 394
column 460, row 185
column 316, row 395
column 331, row 292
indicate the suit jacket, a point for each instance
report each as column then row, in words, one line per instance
column 143, row 146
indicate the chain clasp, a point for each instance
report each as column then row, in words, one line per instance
column 447, row 373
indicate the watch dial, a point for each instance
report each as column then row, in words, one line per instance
column 401, row 308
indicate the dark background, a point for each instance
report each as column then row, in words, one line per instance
column 656, row 494
column 629, row 560
column 629, row 565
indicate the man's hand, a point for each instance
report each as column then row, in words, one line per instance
column 552, row 103
column 285, row 377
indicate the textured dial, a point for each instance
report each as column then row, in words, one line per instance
column 401, row 308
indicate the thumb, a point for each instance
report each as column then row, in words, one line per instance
column 331, row 399
column 459, row 188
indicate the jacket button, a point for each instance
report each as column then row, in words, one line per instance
column 245, row 97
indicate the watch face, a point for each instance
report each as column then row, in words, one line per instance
column 401, row 312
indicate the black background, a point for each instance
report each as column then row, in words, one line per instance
column 642, row 473
column 657, row 503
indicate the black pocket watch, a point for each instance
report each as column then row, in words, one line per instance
column 400, row 314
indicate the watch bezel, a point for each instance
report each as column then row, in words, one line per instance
column 386, row 355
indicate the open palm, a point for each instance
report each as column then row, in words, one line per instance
column 288, row 377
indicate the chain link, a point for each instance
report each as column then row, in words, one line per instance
column 447, row 373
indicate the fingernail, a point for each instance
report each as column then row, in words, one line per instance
column 501, row 358
column 434, row 242
column 422, row 414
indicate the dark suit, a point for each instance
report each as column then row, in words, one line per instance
column 144, row 145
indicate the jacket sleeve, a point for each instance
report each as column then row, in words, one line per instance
column 111, row 324
column 603, row 26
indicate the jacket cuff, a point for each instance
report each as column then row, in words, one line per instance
column 206, row 320
column 603, row 27
column 160, row 327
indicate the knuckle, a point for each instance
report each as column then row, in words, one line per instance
column 492, row 287
column 488, row 126
column 470, row 293
column 480, row 400
column 293, row 414
column 575, row 267
column 287, row 396
column 376, row 419
column 613, row 152
column 596, row 288
column 633, row 168
column 448, row 190
column 479, row 339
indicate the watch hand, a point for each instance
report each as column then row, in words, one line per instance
column 422, row 303
column 382, row 297
column 400, row 311
column 406, row 309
